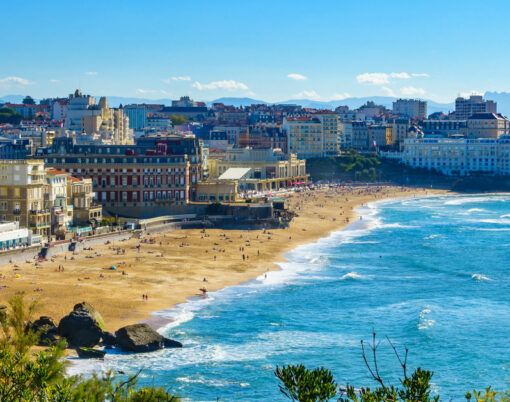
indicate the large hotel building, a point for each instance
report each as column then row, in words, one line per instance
column 146, row 179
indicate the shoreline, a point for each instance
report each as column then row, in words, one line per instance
column 321, row 213
column 161, row 321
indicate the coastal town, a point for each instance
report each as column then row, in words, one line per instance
column 254, row 201
column 140, row 207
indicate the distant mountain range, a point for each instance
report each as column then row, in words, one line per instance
column 502, row 98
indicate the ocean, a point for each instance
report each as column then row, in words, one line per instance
column 431, row 273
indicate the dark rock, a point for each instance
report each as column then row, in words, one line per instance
column 89, row 353
column 46, row 329
column 92, row 311
column 109, row 339
column 80, row 329
column 42, row 323
column 3, row 312
column 170, row 343
column 139, row 338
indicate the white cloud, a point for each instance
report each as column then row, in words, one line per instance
column 343, row 96
column 14, row 81
column 54, row 81
column 180, row 78
column 410, row 91
column 297, row 77
column 373, row 78
column 229, row 85
column 402, row 75
column 308, row 95
column 388, row 91
column 146, row 91
column 384, row 78
column 91, row 73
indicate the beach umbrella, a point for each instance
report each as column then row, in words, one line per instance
column 113, row 267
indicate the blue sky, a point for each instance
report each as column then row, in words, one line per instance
column 269, row 50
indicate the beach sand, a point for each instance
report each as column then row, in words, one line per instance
column 172, row 269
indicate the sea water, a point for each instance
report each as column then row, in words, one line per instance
column 431, row 274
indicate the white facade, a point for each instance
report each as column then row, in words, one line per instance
column 12, row 236
column 458, row 156
column 21, row 172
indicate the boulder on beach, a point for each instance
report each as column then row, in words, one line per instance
column 142, row 338
column 46, row 329
column 83, row 327
column 90, row 353
column 92, row 311
column 108, row 339
column 3, row 312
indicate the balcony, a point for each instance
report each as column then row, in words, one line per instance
column 39, row 211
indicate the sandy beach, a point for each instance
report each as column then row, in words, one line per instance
column 170, row 268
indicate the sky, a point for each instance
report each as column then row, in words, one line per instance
column 267, row 50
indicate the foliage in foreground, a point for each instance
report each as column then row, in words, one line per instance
column 40, row 376
column 298, row 383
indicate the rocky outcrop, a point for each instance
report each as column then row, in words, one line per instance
column 83, row 327
column 92, row 311
column 108, row 339
column 90, row 353
column 142, row 338
column 46, row 329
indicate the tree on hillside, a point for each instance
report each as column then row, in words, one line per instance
column 8, row 115
column 178, row 120
column 28, row 100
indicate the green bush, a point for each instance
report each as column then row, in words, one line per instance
column 26, row 375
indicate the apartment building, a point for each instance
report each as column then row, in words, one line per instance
column 108, row 125
column 313, row 136
column 466, row 107
column 330, row 132
column 304, row 136
column 410, row 108
column 444, row 128
column 487, row 125
column 345, row 134
column 137, row 115
column 82, row 197
column 22, row 195
column 359, row 135
column 57, row 200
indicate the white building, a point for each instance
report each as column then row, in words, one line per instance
column 457, row 156
column 11, row 236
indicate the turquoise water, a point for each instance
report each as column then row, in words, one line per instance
column 430, row 273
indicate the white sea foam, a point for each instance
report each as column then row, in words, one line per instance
column 425, row 322
column 396, row 225
column 480, row 277
column 352, row 276
column 472, row 199
column 496, row 221
column 431, row 237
